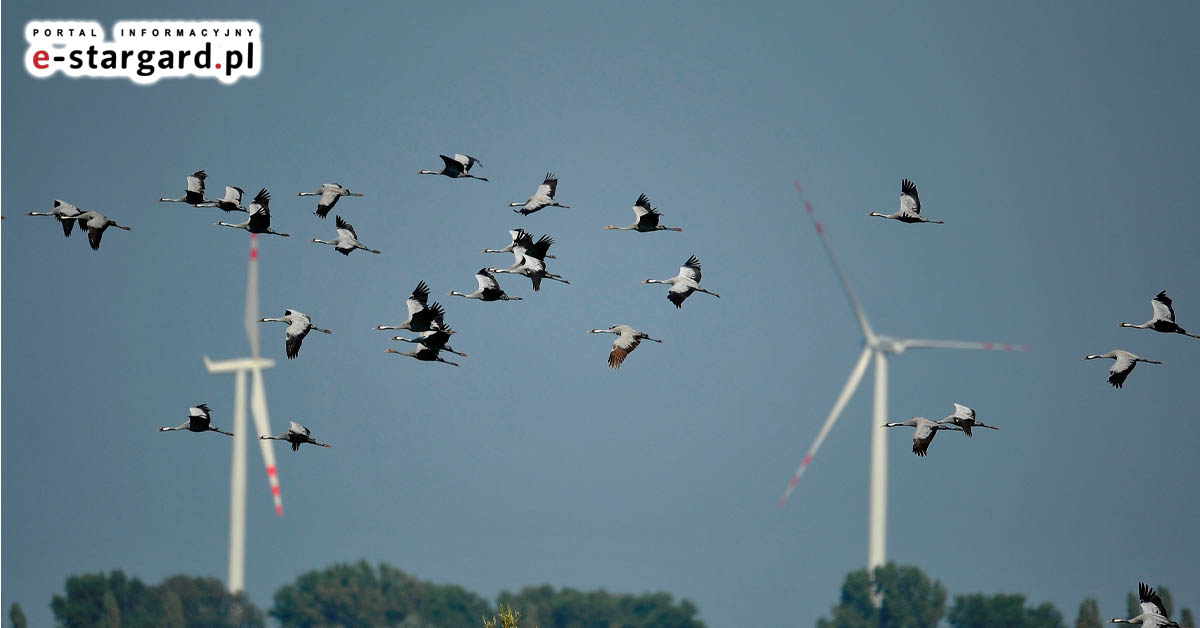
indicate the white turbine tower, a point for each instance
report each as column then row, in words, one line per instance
column 258, row 406
column 878, row 346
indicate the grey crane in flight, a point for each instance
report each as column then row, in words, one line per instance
column 1164, row 317
column 646, row 218
column 517, row 235
column 489, row 288
column 195, row 191
column 421, row 315
column 199, row 420
column 232, row 202
column 964, row 417
column 329, row 193
column 910, row 206
column 1154, row 613
column 925, row 431
column 260, row 216
column 96, row 223
column 456, row 167
column 346, row 241
column 296, row 435
column 542, row 198
column 626, row 341
column 685, row 283
column 64, row 213
column 298, row 326
column 424, row 354
column 530, row 261
column 1125, row 362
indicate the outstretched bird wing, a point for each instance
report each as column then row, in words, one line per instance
column 691, row 269
column 467, row 161
column 1162, row 307
column 909, row 201
column 486, row 280
column 260, row 211
column 347, row 228
column 646, row 215
column 452, row 164
column 622, row 347
column 549, row 185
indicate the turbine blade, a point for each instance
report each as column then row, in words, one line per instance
column 252, row 297
column 262, row 423
column 856, row 376
column 837, row 268
column 962, row 344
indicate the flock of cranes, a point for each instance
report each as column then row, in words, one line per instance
column 1163, row 321
column 427, row 319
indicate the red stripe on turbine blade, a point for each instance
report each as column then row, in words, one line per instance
column 279, row 510
column 808, row 206
column 807, row 459
column 1026, row 347
column 271, row 470
column 275, row 490
column 783, row 501
column 795, row 480
column 820, row 229
column 989, row 345
column 799, row 188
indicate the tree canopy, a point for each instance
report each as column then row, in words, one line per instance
column 1089, row 615
column 359, row 595
column 568, row 608
column 977, row 610
column 117, row 601
column 908, row 599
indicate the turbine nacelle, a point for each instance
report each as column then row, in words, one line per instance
column 887, row 344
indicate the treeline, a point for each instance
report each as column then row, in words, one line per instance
column 355, row 595
column 907, row 598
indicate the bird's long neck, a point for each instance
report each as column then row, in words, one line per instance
column 1142, row 326
column 318, row 241
column 878, row 214
column 456, row 293
column 517, row 204
column 626, row 228
column 309, row 194
column 428, row 172
column 230, row 224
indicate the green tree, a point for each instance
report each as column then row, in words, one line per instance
column 116, row 601
column 1185, row 618
column 908, row 599
column 359, row 595
column 570, row 608
column 1132, row 606
column 16, row 617
column 1089, row 615
column 977, row 610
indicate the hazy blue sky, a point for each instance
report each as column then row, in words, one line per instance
column 1059, row 142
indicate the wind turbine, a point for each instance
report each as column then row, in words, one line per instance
column 880, row 347
column 258, row 406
